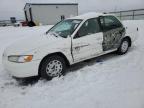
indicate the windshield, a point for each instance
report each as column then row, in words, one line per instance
column 65, row 28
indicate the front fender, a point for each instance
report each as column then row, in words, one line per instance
column 63, row 47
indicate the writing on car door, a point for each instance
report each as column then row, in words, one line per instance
column 88, row 40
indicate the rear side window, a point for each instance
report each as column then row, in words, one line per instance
column 110, row 22
column 91, row 26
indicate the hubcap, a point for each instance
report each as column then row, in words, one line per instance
column 54, row 68
column 124, row 46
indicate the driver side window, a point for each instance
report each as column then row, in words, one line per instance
column 91, row 26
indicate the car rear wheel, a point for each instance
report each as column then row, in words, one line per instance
column 53, row 66
column 124, row 46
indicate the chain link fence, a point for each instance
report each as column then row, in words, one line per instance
column 137, row 14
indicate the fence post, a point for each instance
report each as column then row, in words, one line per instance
column 120, row 15
column 133, row 14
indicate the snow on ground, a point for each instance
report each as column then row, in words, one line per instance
column 116, row 82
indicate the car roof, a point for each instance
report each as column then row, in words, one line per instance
column 89, row 15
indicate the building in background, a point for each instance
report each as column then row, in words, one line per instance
column 49, row 14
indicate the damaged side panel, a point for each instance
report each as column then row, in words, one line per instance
column 112, row 38
column 113, row 32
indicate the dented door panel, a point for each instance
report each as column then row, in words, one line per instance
column 113, row 32
column 112, row 38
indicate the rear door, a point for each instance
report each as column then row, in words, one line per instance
column 113, row 32
column 88, row 40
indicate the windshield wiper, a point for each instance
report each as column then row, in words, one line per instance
column 54, row 34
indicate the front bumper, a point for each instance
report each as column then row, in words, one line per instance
column 21, row 70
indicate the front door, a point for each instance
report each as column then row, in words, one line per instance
column 88, row 40
column 113, row 32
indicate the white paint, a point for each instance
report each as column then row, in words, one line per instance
column 51, row 14
column 42, row 45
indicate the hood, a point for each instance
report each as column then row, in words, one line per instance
column 31, row 43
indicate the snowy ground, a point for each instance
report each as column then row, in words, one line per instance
column 117, row 82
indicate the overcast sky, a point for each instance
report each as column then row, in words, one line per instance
column 14, row 8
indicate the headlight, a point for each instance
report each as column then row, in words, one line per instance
column 20, row 59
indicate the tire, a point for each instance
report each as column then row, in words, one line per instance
column 124, row 46
column 52, row 66
column 31, row 24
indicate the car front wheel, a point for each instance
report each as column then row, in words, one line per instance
column 53, row 66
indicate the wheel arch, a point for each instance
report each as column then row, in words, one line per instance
column 128, row 37
column 52, row 54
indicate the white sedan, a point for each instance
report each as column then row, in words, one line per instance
column 68, row 42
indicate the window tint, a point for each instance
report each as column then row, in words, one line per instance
column 110, row 22
column 91, row 26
